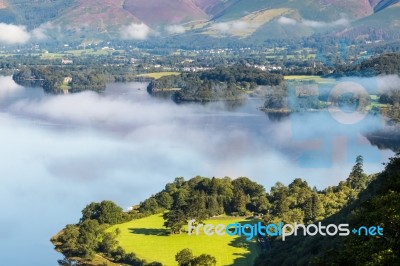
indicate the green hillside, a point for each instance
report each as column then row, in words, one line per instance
column 33, row 13
column 385, row 24
column 149, row 240
column 378, row 204
column 308, row 9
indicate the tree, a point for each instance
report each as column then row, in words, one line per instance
column 150, row 205
column 89, row 232
column 106, row 212
column 69, row 240
column 108, row 243
column 184, row 257
column 313, row 209
column 239, row 202
column 204, row 260
column 175, row 220
column 357, row 178
column 110, row 213
column 165, row 200
column 91, row 211
column 196, row 207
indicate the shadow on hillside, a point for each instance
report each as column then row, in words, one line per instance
column 149, row 231
column 251, row 246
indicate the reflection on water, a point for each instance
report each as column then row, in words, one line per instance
column 388, row 138
column 61, row 152
column 278, row 116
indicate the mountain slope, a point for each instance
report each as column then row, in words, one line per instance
column 95, row 17
column 6, row 15
column 299, row 19
column 213, row 7
column 33, row 13
column 256, row 19
column 383, row 25
column 340, row 18
column 159, row 12
column 383, row 4
column 325, row 10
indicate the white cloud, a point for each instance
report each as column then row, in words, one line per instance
column 378, row 84
column 41, row 32
column 313, row 23
column 321, row 24
column 135, row 31
column 13, row 34
column 18, row 34
column 388, row 83
column 287, row 21
column 231, row 26
column 175, row 29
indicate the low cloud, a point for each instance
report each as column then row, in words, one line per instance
column 8, row 88
column 321, row 24
column 18, row 34
column 42, row 32
column 231, row 26
column 135, row 31
column 13, row 34
column 175, row 29
column 313, row 23
column 376, row 85
column 130, row 131
column 388, row 83
column 287, row 21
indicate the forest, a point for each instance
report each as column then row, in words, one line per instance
column 57, row 79
column 220, row 83
column 385, row 64
column 377, row 204
column 360, row 199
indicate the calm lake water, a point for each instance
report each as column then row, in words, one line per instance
column 59, row 153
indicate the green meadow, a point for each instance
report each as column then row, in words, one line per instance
column 157, row 75
column 317, row 79
column 149, row 240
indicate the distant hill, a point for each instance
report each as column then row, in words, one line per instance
column 382, row 25
column 32, row 13
column 259, row 19
column 384, row 4
column 94, row 17
column 160, row 12
column 325, row 10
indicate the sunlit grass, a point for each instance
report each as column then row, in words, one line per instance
column 157, row 75
column 149, row 240
column 317, row 79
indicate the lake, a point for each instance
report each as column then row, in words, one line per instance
column 61, row 152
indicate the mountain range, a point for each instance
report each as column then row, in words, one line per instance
column 258, row 19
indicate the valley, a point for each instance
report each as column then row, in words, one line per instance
column 199, row 132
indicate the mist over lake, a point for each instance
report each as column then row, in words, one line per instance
column 60, row 152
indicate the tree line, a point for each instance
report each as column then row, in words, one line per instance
column 82, row 241
column 360, row 199
column 220, row 83
column 378, row 203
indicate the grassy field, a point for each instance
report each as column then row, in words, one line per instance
column 78, row 53
column 158, row 75
column 317, row 79
column 149, row 240
column 52, row 55
column 93, row 52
